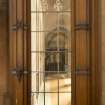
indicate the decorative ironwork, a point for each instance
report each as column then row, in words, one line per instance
column 44, row 5
column 59, row 5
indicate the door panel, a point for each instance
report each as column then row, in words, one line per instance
column 18, row 51
column 20, row 13
column 82, row 36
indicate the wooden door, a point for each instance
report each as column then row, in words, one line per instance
column 82, row 52
column 20, row 52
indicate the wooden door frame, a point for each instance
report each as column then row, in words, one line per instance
column 96, row 48
column 96, row 52
column 96, row 83
column 29, row 50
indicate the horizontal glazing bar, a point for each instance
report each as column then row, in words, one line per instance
column 50, row 71
column 40, row 31
column 51, row 51
column 46, row 31
column 61, row 78
column 50, row 92
column 50, row 11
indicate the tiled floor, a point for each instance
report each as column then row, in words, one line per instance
column 64, row 96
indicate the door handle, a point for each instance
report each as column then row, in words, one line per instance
column 19, row 73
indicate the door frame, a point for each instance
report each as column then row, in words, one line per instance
column 96, row 52
column 96, row 84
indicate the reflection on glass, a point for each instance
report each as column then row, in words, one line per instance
column 51, row 52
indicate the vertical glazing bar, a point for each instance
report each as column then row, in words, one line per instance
column 44, row 14
column 38, row 43
column 69, row 46
column 44, row 8
column 38, row 26
column 58, row 9
column 58, row 90
column 36, row 53
column 44, row 72
column 58, row 31
column 44, row 91
column 36, row 50
column 40, row 66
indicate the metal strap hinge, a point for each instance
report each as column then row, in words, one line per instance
column 82, row 72
column 82, row 26
column 19, row 25
column 19, row 73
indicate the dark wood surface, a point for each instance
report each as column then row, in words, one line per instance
column 3, row 52
column 18, row 51
column 82, row 40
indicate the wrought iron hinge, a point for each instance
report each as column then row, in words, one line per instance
column 19, row 73
column 82, row 26
column 84, row 72
column 19, row 25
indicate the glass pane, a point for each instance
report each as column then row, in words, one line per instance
column 50, row 5
column 51, row 52
column 66, row 21
column 37, row 25
column 50, row 25
column 64, row 98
